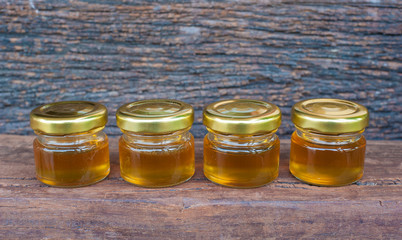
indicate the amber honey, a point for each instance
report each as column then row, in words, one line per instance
column 241, row 149
column 71, row 167
column 71, row 149
column 328, row 147
column 241, row 167
column 327, row 165
column 161, row 166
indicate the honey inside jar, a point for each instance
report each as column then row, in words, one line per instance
column 328, row 165
column 72, row 167
column 165, row 165
column 328, row 148
column 156, row 149
column 241, row 167
column 241, row 149
column 70, row 150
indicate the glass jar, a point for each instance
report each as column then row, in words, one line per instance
column 71, row 149
column 156, row 149
column 328, row 147
column 241, row 148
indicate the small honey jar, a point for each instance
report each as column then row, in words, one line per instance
column 328, row 147
column 70, row 150
column 156, row 149
column 241, row 148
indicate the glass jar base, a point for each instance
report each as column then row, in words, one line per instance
column 333, row 182
column 53, row 183
column 237, row 184
column 146, row 183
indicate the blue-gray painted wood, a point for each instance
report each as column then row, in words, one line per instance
column 199, row 52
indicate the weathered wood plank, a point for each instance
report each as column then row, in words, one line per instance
column 200, row 52
column 286, row 208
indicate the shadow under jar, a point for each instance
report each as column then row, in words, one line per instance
column 156, row 149
column 328, row 147
column 71, row 149
column 241, row 148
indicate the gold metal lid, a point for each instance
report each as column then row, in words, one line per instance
column 330, row 116
column 242, row 116
column 61, row 118
column 156, row 116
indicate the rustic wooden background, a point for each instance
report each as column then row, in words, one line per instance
column 199, row 52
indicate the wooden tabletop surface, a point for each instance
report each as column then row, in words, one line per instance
column 199, row 209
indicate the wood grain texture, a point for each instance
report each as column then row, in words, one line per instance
column 199, row 52
column 199, row 209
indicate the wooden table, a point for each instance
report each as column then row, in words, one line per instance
column 199, row 209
